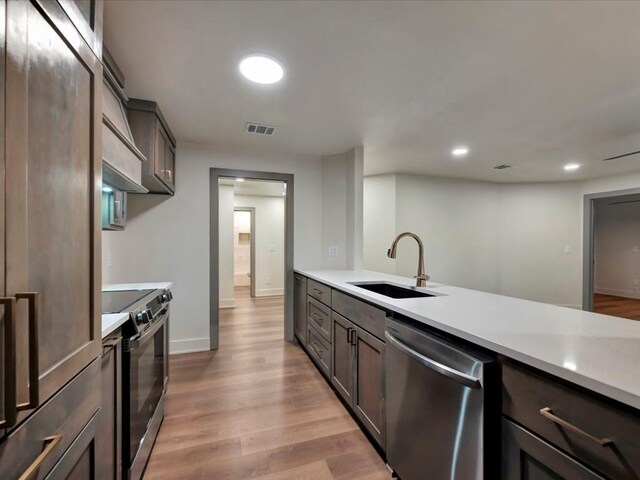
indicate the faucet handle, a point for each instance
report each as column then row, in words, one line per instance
column 421, row 280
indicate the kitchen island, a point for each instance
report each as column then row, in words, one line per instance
column 569, row 387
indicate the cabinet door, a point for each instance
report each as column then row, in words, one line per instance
column 342, row 332
column 368, row 390
column 300, row 307
column 160, row 165
column 109, row 438
column 86, row 16
column 79, row 461
column 169, row 165
column 53, row 176
column 528, row 457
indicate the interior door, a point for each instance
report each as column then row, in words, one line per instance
column 53, row 178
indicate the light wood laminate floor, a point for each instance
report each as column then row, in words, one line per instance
column 617, row 306
column 257, row 408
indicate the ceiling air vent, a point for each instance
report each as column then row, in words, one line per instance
column 502, row 167
column 260, row 129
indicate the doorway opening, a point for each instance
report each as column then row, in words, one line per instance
column 244, row 247
column 251, row 255
column 612, row 254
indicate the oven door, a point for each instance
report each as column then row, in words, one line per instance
column 144, row 367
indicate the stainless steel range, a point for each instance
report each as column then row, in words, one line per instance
column 145, row 370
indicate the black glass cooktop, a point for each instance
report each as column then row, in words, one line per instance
column 116, row 302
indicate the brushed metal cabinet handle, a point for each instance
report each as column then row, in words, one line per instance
column 10, row 375
column 51, row 443
column 34, row 347
column 317, row 319
column 548, row 413
column 112, row 343
column 317, row 348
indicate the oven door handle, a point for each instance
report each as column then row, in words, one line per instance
column 140, row 339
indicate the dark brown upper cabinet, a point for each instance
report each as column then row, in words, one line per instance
column 86, row 16
column 156, row 141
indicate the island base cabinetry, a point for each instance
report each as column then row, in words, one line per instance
column 528, row 457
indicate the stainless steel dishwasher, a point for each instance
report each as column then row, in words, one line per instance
column 438, row 402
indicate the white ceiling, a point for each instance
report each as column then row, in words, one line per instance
column 535, row 84
column 263, row 188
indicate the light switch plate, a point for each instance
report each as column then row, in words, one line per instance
column 333, row 250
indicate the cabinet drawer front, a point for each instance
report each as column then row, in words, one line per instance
column 590, row 422
column 319, row 317
column 54, row 427
column 362, row 314
column 319, row 291
column 319, row 350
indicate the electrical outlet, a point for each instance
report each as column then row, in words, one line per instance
column 636, row 282
column 635, row 249
column 268, row 281
column 109, row 260
column 333, row 250
column 568, row 249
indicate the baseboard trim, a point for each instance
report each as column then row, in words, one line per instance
column 269, row 292
column 617, row 292
column 188, row 345
column 227, row 303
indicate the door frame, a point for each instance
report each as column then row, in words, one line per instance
column 588, row 233
column 214, row 294
column 252, row 246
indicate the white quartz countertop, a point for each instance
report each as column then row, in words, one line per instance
column 112, row 321
column 115, row 287
column 598, row 352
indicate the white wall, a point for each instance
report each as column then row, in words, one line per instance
column 342, row 220
column 537, row 223
column 617, row 248
column 501, row 238
column 269, row 242
column 379, row 222
column 225, row 253
column 457, row 221
column 167, row 238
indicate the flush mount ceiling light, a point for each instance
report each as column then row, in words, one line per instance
column 261, row 69
column 239, row 179
column 107, row 189
column 571, row 167
column 460, row 152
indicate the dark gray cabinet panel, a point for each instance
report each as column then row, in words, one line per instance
column 109, row 441
column 368, row 390
column 342, row 331
column 319, row 291
column 300, row 307
column 528, row 457
column 80, row 460
column 526, row 394
column 319, row 315
column 156, row 142
column 319, row 350
column 53, row 87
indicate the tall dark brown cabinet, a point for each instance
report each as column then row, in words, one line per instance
column 50, row 217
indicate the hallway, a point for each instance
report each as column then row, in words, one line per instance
column 257, row 408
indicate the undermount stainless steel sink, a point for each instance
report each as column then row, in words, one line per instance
column 391, row 290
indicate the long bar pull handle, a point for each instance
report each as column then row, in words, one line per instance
column 34, row 347
column 316, row 318
column 548, row 413
column 350, row 335
column 51, row 443
column 10, row 380
column 438, row 367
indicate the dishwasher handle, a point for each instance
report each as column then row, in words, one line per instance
column 463, row 378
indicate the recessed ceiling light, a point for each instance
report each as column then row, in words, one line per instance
column 460, row 151
column 570, row 167
column 261, row 69
column 239, row 179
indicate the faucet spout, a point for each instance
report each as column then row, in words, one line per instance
column 421, row 277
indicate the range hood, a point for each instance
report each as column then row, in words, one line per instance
column 121, row 159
